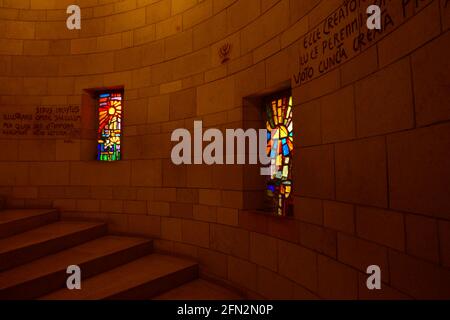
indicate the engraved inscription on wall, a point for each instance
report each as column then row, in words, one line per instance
column 344, row 34
column 41, row 121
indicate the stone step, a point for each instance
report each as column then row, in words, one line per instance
column 47, row 274
column 17, row 221
column 143, row 278
column 33, row 244
column 199, row 290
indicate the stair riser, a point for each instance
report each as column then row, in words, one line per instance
column 16, row 227
column 153, row 288
column 20, row 256
column 57, row 280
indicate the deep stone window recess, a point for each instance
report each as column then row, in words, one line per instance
column 280, row 148
column 109, row 131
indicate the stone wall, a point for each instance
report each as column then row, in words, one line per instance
column 371, row 171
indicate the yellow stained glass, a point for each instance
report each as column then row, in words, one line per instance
column 280, row 147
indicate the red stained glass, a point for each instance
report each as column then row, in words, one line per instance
column 110, row 126
column 280, row 148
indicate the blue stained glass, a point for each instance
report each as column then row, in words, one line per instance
column 109, row 130
column 273, row 153
column 285, row 150
column 279, row 120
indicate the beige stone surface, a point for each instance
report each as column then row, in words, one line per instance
column 370, row 174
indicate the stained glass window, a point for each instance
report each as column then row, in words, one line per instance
column 110, row 126
column 280, row 139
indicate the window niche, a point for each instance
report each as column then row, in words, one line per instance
column 271, row 194
column 106, row 121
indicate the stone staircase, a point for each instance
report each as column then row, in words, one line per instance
column 36, row 247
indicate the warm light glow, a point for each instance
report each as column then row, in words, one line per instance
column 110, row 126
column 280, row 145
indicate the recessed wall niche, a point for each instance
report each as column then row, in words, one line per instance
column 371, row 132
column 104, row 122
column 272, row 193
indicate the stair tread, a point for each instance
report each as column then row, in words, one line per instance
column 60, row 261
column 199, row 290
column 7, row 216
column 140, row 271
column 44, row 233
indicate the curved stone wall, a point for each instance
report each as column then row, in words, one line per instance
column 371, row 184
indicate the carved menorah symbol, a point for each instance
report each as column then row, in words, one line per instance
column 224, row 52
